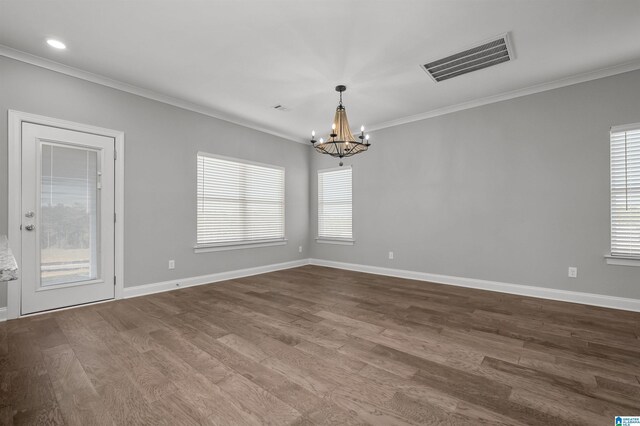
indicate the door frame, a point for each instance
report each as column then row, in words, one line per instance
column 15, row 120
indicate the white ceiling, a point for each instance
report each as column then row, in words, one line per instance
column 239, row 58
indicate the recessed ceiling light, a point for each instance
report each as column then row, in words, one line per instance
column 56, row 43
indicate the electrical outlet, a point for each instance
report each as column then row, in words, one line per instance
column 573, row 272
column 172, row 264
column 390, row 255
column 299, row 249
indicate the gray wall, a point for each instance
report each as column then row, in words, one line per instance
column 514, row 191
column 160, row 168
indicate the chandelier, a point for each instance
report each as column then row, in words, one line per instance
column 341, row 142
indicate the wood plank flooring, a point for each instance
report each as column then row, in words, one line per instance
column 317, row 346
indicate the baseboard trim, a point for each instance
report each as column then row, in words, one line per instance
column 522, row 290
column 145, row 289
column 601, row 300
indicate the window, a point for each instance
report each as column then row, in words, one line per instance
column 625, row 191
column 334, row 205
column 238, row 202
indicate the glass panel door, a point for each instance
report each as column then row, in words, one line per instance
column 69, row 215
column 68, row 202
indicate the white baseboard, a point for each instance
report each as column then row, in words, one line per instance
column 522, row 290
column 145, row 289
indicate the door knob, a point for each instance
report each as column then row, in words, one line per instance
column 30, row 227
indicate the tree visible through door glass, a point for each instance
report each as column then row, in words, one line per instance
column 69, row 219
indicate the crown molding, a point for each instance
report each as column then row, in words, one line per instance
column 543, row 87
column 192, row 106
column 38, row 61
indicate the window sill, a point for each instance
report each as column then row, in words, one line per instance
column 622, row 261
column 338, row 241
column 238, row 245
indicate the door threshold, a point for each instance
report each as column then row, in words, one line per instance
column 33, row 314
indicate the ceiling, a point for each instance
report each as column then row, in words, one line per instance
column 239, row 58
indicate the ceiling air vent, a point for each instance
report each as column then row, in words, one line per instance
column 485, row 55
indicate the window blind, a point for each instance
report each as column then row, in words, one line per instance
column 238, row 202
column 334, row 204
column 625, row 191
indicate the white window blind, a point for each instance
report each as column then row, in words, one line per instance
column 625, row 191
column 238, row 202
column 334, row 204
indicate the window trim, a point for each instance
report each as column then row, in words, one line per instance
column 611, row 259
column 622, row 260
column 624, row 127
column 237, row 245
column 243, row 244
column 239, row 160
column 333, row 240
column 337, row 241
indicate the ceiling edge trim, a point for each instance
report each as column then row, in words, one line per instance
column 135, row 90
column 543, row 87
column 194, row 107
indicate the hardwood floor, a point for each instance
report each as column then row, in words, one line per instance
column 315, row 345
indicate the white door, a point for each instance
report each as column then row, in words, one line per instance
column 68, row 218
